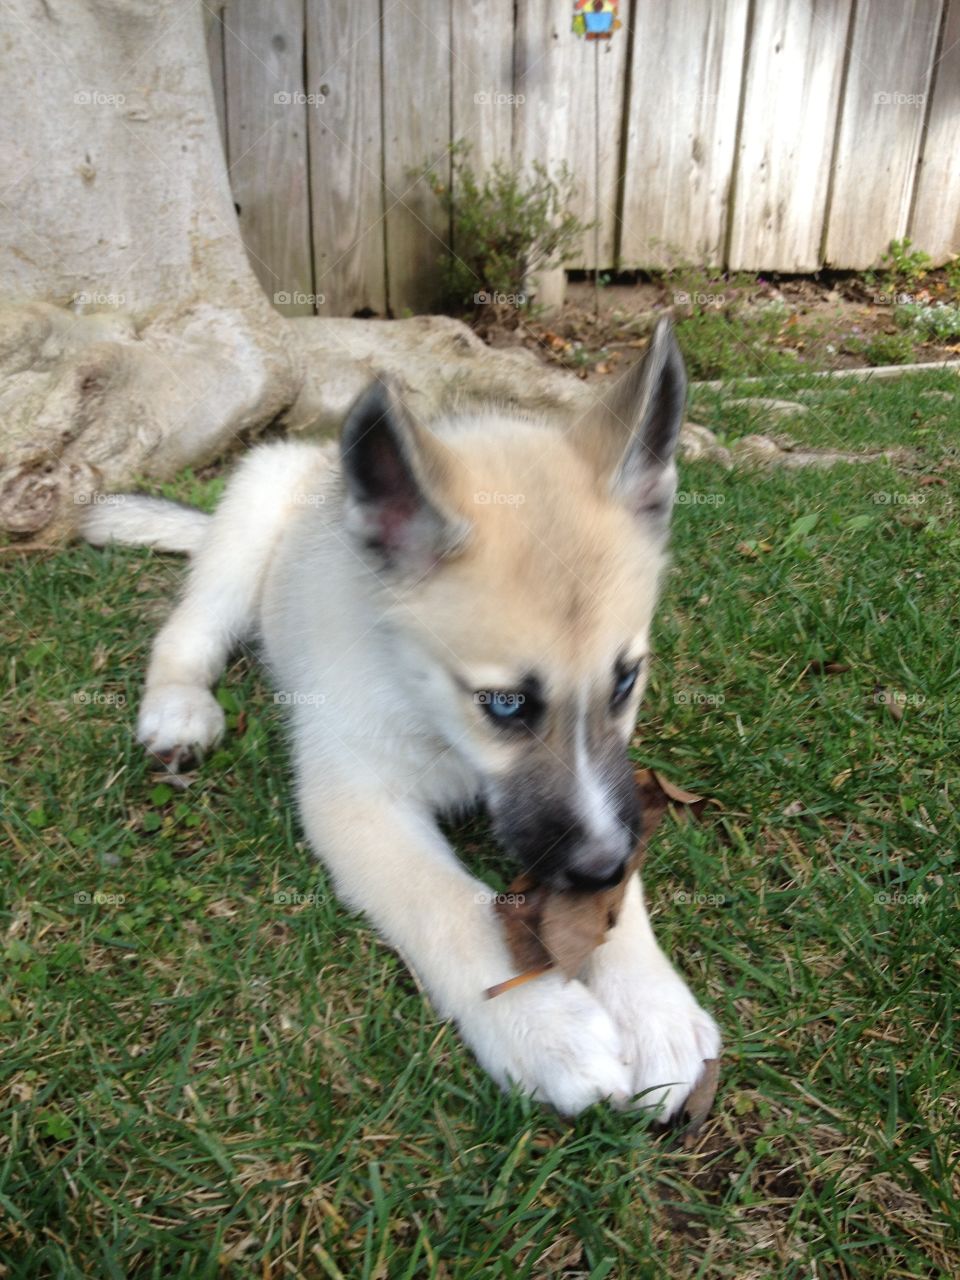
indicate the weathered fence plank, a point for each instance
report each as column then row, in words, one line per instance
column 483, row 101
column 267, row 145
column 891, row 58
column 555, row 121
column 791, row 100
column 540, row 126
column 483, row 94
column 417, row 134
column 684, row 98
column 346, row 158
column 935, row 223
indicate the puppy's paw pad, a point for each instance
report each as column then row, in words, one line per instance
column 178, row 723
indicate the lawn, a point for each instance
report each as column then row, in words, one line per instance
column 209, row 1068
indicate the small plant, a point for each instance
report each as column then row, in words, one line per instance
column 938, row 322
column 697, row 290
column 505, row 226
column 902, row 265
column 885, row 348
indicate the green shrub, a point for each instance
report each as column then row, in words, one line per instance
column 903, row 265
column 504, row 227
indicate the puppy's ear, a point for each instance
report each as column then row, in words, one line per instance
column 633, row 435
column 393, row 472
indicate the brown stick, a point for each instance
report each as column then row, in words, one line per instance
column 518, row 981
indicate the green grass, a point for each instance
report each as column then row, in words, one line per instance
column 727, row 343
column 918, row 411
column 225, row 1073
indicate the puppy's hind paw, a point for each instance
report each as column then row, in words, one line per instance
column 178, row 723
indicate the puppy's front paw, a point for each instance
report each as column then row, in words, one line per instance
column 554, row 1040
column 179, row 722
column 666, row 1035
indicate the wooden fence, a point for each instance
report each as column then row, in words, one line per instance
column 779, row 135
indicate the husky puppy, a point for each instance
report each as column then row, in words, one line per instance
column 457, row 614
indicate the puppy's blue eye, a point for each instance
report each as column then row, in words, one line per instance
column 623, row 686
column 501, row 705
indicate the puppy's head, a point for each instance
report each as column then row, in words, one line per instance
column 521, row 564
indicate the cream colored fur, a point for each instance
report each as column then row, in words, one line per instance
column 554, row 572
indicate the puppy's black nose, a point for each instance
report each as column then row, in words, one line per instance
column 591, row 881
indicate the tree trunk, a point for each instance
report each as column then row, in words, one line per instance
column 136, row 340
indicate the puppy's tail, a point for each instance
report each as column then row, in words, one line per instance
column 134, row 520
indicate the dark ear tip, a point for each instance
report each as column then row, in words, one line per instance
column 374, row 403
column 665, row 334
column 377, row 390
column 665, row 346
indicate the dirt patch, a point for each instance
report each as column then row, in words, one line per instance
column 732, row 326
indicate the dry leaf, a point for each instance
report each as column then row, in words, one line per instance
column 698, row 1104
column 894, row 701
column 673, row 792
column 820, row 668
column 575, row 924
column 753, row 549
column 549, row 929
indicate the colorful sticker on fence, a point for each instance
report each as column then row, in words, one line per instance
column 595, row 19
